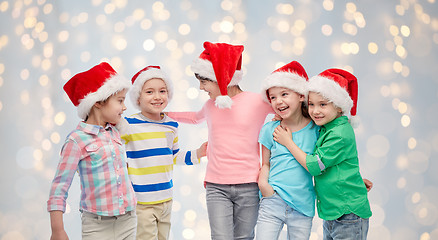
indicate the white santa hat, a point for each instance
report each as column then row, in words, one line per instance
column 97, row 84
column 291, row 76
column 339, row 87
column 221, row 63
column 142, row 76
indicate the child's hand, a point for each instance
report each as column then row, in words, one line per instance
column 202, row 150
column 277, row 118
column 368, row 184
column 282, row 135
column 266, row 189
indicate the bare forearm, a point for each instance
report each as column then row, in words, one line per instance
column 57, row 225
column 285, row 138
column 56, row 220
column 299, row 154
column 186, row 117
column 264, row 186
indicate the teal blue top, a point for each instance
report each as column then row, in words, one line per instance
column 286, row 175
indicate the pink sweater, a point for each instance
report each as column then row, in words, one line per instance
column 233, row 149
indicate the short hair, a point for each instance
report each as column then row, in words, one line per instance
column 202, row 78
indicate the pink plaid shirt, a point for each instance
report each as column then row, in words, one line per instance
column 97, row 153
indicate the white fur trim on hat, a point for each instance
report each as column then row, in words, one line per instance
column 205, row 69
column 112, row 85
column 144, row 76
column 332, row 91
column 223, row 101
column 288, row 80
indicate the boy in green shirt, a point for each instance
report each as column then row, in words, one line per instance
column 341, row 194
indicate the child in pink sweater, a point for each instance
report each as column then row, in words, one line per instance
column 234, row 119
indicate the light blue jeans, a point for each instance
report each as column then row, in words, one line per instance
column 274, row 213
column 232, row 210
column 347, row 227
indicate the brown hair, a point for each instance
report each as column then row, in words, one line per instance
column 305, row 110
column 199, row 77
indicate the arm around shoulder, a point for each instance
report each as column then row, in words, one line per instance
column 333, row 150
column 188, row 117
column 284, row 137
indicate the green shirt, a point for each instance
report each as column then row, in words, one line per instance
column 335, row 166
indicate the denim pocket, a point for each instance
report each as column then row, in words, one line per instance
column 268, row 198
column 271, row 196
column 348, row 219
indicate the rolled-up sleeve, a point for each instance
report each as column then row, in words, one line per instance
column 314, row 164
column 330, row 152
column 67, row 167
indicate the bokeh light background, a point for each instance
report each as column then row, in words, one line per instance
column 391, row 46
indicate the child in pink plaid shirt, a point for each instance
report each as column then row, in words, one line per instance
column 94, row 149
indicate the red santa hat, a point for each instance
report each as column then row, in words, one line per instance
column 140, row 78
column 97, row 84
column 339, row 87
column 291, row 76
column 221, row 63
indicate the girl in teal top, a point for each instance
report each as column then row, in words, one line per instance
column 286, row 176
column 287, row 190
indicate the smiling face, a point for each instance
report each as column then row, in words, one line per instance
column 321, row 110
column 153, row 98
column 209, row 86
column 113, row 107
column 285, row 102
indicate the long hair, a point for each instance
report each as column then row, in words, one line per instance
column 305, row 110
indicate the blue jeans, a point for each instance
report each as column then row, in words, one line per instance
column 274, row 213
column 232, row 210
column 348, row 226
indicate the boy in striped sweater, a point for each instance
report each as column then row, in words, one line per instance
column 151, row 142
